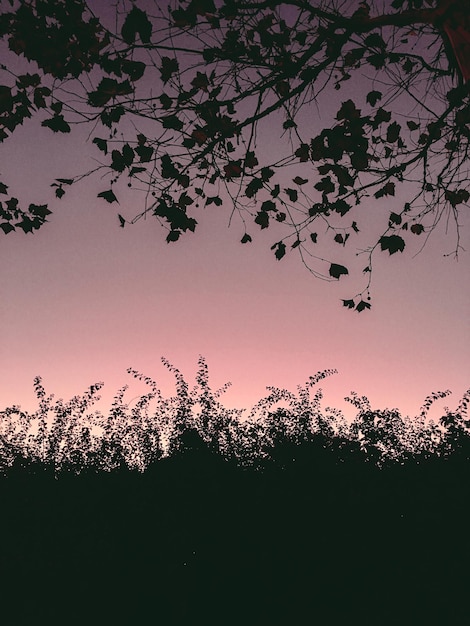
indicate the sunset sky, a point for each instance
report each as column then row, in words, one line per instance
column 81, row 300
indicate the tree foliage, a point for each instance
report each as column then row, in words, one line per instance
column 294, row 114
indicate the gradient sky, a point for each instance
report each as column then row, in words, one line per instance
column 81, row 300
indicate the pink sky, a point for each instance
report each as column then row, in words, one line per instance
column 82, row 300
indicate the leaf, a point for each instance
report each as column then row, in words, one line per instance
column 111, row 116
column 168, row 68
column 349, row 303
column 354, row 227
column 268, row 205
column 395, row 218
column 339, row 238
column 127, row 154
column 417, row 229
column 165, row 101
column 326, row 185
column 136, row 170
column 262, row 218
column 171, row 122
column 393, row 243
column 341, row 206
column 299, row 181
column 3, row 188
column 266, row 174
column 57, row 124
column 374, row 40
column 145, row 153
column 200, row 136
column 102, row 144
column 373, row 97
column 313, row 237
column 117, row 162
column 412, row 125
column 26, row 224
column 381, row 116
column 122, row 221
column 107, row 89
column 39, row 210
column 108, row 196
column 232, row 170
column 386, row 190
column 280, row 250
column 348, row 111
column 293, row 194
column 168, row 167
column 134, row 69
column 393, row 132
column 362, row 305
column 246, row 238
column 7, row 227
column 253, row 187
column 200, row 82
column 173, row 235
column 136, row 23
column 302, row 153
column 39, row 99
column 289, row 124
column 250, row 160
column 214, row 200
column 59, row 192
column 6, row 99
column 377, row 60
column 457, row 197
column 337, row 270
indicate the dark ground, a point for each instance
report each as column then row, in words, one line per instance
column 197, row 541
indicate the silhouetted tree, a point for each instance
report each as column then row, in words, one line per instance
column 290, row 112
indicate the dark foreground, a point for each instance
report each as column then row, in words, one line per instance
column 196, row 540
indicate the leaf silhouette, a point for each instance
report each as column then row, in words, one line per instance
column 337, row 270
column 102, row 144
column 393, row 243
column 172, row 122
column 386, row 190
column 373, row 97
column 362, row 306
column 7, row 227
column 280, row 250
column 417, row 229
column 168, row 68
column 108, row 196
column 57, row 124
column 107, row 89
column 136, row 23
column 262, row 218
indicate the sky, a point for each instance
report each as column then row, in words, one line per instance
column 81, row 300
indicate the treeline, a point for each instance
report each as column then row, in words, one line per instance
column 189, row 514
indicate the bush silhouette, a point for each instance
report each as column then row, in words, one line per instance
column 278, row 518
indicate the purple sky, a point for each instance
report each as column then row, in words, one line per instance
column 81, row 300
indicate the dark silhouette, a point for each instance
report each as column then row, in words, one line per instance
column 289, row 517
column 178, row 101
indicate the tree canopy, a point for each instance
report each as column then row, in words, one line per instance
column 310, row 118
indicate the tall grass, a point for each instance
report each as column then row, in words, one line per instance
column 69, row 436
